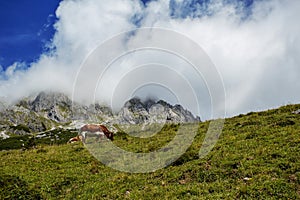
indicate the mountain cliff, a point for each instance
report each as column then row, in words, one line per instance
column 135, row 112
column 49, row 110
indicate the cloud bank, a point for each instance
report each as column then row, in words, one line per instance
column 255, row 48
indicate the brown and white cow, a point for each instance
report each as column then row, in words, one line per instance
column 95, row 130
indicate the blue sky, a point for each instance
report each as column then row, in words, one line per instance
column 255, row 44
column 26, row 27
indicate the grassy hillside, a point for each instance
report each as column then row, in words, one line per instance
column 51, row 137
column 256, row 157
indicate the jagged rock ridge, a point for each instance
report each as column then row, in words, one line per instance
column 135, row 112
column 49, row 110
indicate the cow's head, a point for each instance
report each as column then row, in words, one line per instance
column 110, row 135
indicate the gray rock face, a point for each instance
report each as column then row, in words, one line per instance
column 48, row 110
column 96, row 113
column 296, row 112
column 135, row 112
column 45, row 101
column 54, row 106
column 58, row 107
column 20, row 121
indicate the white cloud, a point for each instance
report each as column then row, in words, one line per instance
column 258, row 57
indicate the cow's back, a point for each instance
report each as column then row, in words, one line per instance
column 90, row 128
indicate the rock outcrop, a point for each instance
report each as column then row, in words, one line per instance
column 54, row 106
column 49, row 110
column 136, row 112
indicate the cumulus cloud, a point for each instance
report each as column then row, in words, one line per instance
column 256, row 50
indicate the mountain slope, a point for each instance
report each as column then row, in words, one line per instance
column 256, row 157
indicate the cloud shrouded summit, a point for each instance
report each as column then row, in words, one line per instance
column 255, row 47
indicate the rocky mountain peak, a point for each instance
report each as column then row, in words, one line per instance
column 134, row 104
column 135, row 111
column 50, row 109
column 53, row 105
column 148, row 103
column 46, row 101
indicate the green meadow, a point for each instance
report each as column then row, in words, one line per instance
column 256, row 157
